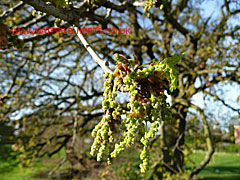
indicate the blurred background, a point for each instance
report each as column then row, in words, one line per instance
column 51, row 89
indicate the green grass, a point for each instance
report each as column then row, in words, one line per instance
column 10, row 169
column 223, row 166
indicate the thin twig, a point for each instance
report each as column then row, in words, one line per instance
column 10, row 11
column 70, row 150
column 94, row 55
column 58, row 166
column 75, row 124
column 224, row 103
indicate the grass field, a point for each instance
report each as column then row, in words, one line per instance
column 223, row 166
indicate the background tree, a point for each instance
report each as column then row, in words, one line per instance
column 53, row 88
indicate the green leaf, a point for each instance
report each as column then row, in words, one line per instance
column 172, row 61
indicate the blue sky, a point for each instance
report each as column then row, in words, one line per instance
column 226, row 91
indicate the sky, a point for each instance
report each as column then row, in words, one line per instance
column 231, row 92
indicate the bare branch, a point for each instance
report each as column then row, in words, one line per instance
column 67, row 15
column 10, row 11
column 207, row 71
column 33, row 21
column 224, row 103
column 58, row 166
column 209, row 142
column 94, row 55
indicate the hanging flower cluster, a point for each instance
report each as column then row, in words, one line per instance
column 147, row 105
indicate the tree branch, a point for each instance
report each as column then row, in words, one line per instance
column 209, row 142
column 207, row 71
column 224, row 103
column 96, row 58
column 10, row 11
column 64, row 14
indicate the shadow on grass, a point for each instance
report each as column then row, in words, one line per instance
column 7, row 159
column 221, row 170
column 221, row 173
column 7, row 166
column 222, row 178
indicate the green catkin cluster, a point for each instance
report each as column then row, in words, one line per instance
column 94, row 1
column 63, row 3
column 147, row 104
column 148, row 5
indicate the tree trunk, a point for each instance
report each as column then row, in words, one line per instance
column 172, row 141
